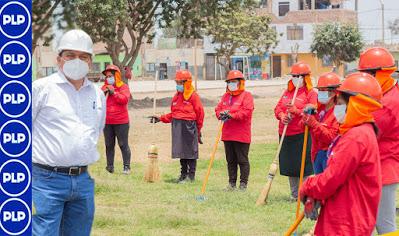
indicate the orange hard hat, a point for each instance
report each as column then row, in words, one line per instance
column 363, row 83
column 300, row 68
column 375, row 59
column 182, row 75
column 111, row 68
column 328, row 80
column 235, row 74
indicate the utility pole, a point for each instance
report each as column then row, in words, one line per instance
column 383, row 21
column 195, row 64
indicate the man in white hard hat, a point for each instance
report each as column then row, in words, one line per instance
column 68, row 115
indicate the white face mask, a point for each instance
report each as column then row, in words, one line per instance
column 75, row 69
column 340, row 113
column 296, row 80
column 232, row 86
column 323, row 97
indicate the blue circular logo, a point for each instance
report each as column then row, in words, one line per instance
column 15, row 99
column 15, row 20
column 15, row 216
column 15, row 138
column 15, row 59
column 15, row 178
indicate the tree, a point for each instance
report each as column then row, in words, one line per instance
column 123, row 25
column 341, row 43
column 240, row 29
column 394, row 26
column 47, row 12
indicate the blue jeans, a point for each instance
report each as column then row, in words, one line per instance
column 320, row 162
column 64, row 204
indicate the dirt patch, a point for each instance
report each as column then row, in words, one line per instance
column 147, row 102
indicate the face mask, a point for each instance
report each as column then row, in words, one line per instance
column 340, row 113
column 232, row 86
column 179, row 88
column 323, row 97
column 75, row 69
column 111, row 80
column 299, row 80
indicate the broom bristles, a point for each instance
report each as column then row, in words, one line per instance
column 152, row 173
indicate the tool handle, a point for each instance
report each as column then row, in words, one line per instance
column 295, row 224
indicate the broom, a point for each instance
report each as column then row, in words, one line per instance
column 152, row 173
column 274, row 167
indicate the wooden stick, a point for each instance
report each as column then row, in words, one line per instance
column 304, row 148
column 274, row 166
column 295, row 224
column 215, row 146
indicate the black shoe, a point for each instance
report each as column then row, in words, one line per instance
column 191, row 177
column 182, row 179
column 243, row 186
column 110, row 169
column 126, row 170
column 230, row 187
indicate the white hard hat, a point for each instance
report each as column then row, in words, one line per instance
column 76, row 40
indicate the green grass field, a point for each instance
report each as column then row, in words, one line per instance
column 126, row 205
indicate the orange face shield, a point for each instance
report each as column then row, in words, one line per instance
column 384, row 78
column 241, row 88
column 359, row 110
column 307, row 81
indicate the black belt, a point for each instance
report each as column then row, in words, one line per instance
column 73, row 170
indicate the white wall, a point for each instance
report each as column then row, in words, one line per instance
column 284, row 45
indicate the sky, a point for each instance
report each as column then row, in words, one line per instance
column 370, row 23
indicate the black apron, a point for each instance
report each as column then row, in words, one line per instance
column 184, row 139
column 291, row 155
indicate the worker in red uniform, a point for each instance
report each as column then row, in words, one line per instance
column 291, row 115
column 187, row 117
column 381, row 64
column 323, row 125
column 235, row 110
column 117, row 118
column 350, row 187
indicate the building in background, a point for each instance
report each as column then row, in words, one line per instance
column 294, row 21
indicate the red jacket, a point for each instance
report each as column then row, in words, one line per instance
column 387, row 120
column 181, row 109
column 303, row 98
column 324, row 132
column 350, row 187
column 117, row 112
column 240, row 107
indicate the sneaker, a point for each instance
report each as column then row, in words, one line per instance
column 230, row 187
column 126, row 170
column 243, row 186
column 181, row 180
column 110, row 169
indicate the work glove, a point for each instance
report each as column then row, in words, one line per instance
column 311, row 208
column 200, row 138
column 111, row 89
column 310, row 109
column 154, row 119
column 224, row 116
column 285, row 118
column 292, row 109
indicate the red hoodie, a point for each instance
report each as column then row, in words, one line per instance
column 324, row 132
column 350, row 187
column 240, row 107
column 387, row 121
column 303, row 98
column 117, row 110
column 181, row 109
